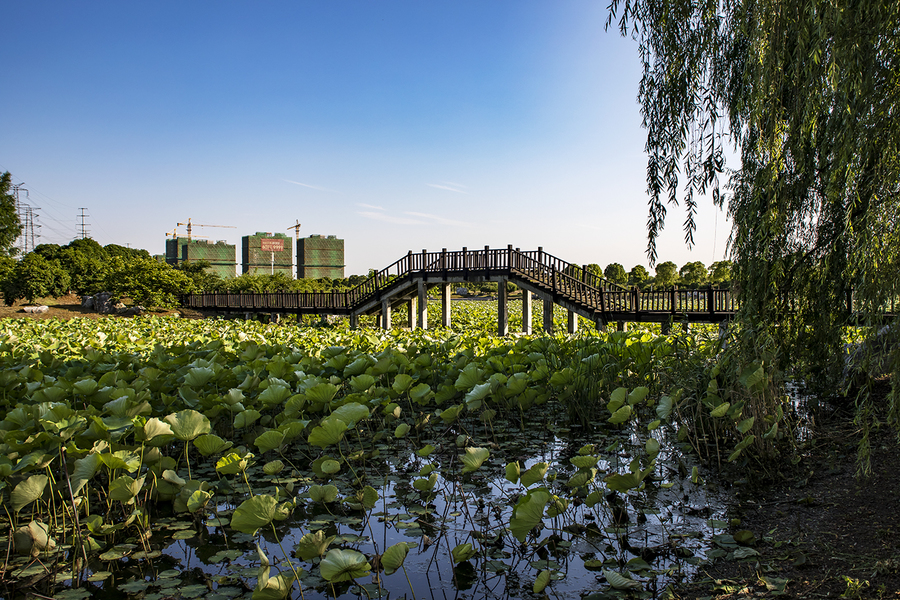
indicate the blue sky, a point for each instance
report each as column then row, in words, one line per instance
column 393, row 125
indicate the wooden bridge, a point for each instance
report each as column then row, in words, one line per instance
column 536, row 272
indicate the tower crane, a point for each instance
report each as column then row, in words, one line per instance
column 174, row 234
column 296, row 229
column 189, row 225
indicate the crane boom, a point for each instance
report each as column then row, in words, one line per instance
column 189, row 225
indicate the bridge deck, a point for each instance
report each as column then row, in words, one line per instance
column 538, row 273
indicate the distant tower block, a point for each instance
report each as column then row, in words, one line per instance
column 257, row 254
column 221, row 256
column 320, row 256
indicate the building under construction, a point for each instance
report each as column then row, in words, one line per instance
column 320, row 256
column 221, row 256
column 267, row 253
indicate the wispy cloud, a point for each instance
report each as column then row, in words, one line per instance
column 312, row 187
column 439, row 219
column 453, row 187
column 377, row 216
column 373, row 207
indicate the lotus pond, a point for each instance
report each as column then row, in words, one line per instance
column 162, row 457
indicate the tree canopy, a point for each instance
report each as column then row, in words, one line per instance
column 10, row 227
column 808, row 93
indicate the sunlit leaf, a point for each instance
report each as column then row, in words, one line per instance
column 329, row 431
column 528, row 512
column 620, row 582
column 323, row 493
column 541, row 581
column 393, row 557
column 188, row 424
column 473, row 458
column 28, row 491
column 254, row 513
column 621, row 415
column 313, row 545
column 211, row 444
column 534, row 474
column 343, row 565
column 462, row 552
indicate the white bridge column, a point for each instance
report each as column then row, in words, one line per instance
column 445, row 304
column 502, row 308
column 422, row 306
column 526, row 312
column 573, row 322
column 386, row 314
column 548, row 314
column 411, row 313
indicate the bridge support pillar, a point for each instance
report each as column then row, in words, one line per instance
column 386, row 314
column 422, row 306
column 445, row 305
column 502, row 308
column 620, row 325
column 548, row 314
column 411, row 313
column 526, row 312
column 665, row 327
column 601, row 325
column 573, row 322
column 685, row 326
column 354, row 321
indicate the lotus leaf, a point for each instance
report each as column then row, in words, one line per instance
column 528, row 512
column 157, row 433
column 343, row 565
column 541, row 581
column 425, row 451
column 313, row 545
column 271, row 588
column 273, row 468
column 32, row 539
column 28, row 491
column 198, row 500
column 620, row 582
column 463, row 552
column 125, row 488
column 401, row 430
column 323, row 493
column 652, row 447
column 421, row 393
column 637, row 395
column 664, row 408
column 321, row 393
column 394, row 557
column 209, row 444
column 361, row 383
column 269, row 440
column 199, row 376
column 402, row 382
column 534, row 474
column 84, row 471
column 469, row 377
column 329, row 431
column 473, row 458
column 426, row 485
column 188, row 424
column 232, row 463
column 513, row 470
column 621, row 415
column 351, row 413
column 617, row 399
column 584, row 462
column 121, row 459
column 254, row 513
column 720, row 410
column 274, row 394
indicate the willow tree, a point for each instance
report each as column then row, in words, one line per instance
column 808, row 93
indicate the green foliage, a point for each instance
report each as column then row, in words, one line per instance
column 666, row 275
column 35, row 277
column 9, row 217
column 638, row 275
column 616, row 273
column 202, row 278
column 694, row 274
column 720, row 272
column 146, row 281
column 808, row 93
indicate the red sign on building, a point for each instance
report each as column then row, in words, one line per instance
column 271, row 244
